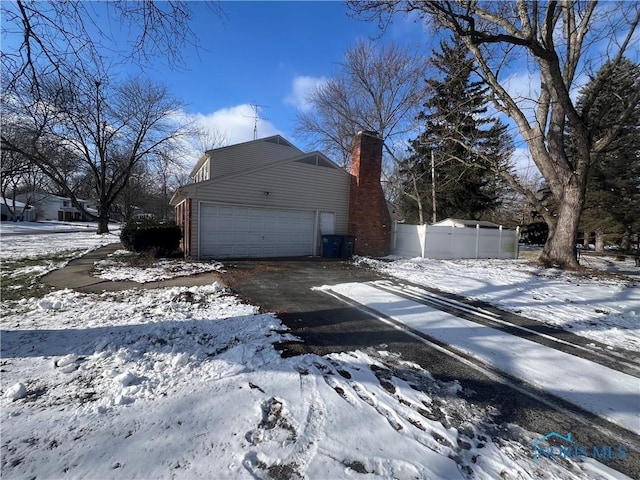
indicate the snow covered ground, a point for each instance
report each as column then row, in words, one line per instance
column 23, row 240
column 602, row 308
column 606, row 392
column 188, row 383
column 116, row 267
column 47, row 226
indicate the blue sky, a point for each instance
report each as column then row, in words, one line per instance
column 270, row 53
column 266, row 53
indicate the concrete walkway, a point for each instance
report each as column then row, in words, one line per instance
column 77, row 275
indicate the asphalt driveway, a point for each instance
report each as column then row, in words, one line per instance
column 325, row 324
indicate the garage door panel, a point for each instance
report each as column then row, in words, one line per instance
column 228, row 231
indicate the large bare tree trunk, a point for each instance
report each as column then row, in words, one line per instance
column 600, row 241
column 103, row 225
column 557, row 39
column 560, row 249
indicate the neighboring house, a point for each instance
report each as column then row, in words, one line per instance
column 267, row 198
column 53, row 207
column 18, row 211
column 458, row 223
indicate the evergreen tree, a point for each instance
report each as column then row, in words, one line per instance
column 462, row 138
column 613, row 185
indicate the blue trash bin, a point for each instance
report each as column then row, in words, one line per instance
column 331, row 246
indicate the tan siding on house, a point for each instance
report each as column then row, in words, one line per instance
column 290, row 185
column 230, row 160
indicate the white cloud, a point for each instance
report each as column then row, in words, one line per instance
column 301, row 88
column 524, row 88
column 226, row 126
column 235, row 124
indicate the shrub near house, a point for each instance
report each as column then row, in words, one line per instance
column 160, row 238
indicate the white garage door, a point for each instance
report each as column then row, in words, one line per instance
column 228, row 231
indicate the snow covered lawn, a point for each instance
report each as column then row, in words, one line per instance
column 118, row 266
column 188, row 383
column 25, row 258
column 30, row 228
column 606, row 309
column 42, row 243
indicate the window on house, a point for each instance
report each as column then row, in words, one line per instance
column 278, row 141
column 317, row 161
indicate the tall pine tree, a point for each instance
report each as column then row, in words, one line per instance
column 612, row 202
column 467, row 145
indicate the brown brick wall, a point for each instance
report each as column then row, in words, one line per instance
column 369, row 219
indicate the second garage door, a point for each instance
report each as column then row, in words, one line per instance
column 229, row 231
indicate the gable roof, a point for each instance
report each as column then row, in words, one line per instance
column 13, row 203
column 272, row 148
column 316, row 158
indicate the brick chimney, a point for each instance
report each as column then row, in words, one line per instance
column 369, row 219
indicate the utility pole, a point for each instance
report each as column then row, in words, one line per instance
column 424, row 142
column 433, row 187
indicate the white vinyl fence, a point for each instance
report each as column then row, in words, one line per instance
column 440, row 242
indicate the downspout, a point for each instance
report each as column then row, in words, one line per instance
column 199, row 227
column 315, row 232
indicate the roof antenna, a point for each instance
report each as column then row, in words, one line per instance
column 256, row 117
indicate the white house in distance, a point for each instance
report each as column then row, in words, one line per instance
column 12, row 211
column 53, row 207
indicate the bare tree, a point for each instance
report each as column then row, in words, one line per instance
column 168, row 169
column 81, row 130
column 16, row 175
column 376, row 89
column 209, row 139
column 105, row 129
column 65, row 38
column 561, row 41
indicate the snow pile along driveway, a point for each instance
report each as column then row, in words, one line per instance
column 606, row 310
column 115, row 269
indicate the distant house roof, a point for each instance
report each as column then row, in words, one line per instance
column 37, row 197
column 13, row 204
column 458, row 223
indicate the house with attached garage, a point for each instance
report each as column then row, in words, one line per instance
column 54, row 207
column 268, row 198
